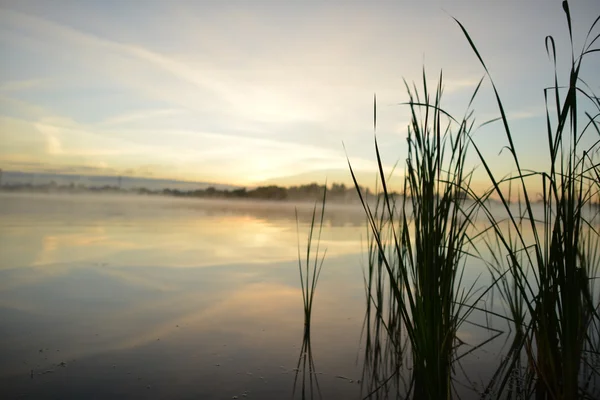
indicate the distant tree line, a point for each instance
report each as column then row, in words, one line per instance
column 337, row 191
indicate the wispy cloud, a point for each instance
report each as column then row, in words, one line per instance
column 15, row 86
column 142, row 115
column 186, row 153
column 238, row 93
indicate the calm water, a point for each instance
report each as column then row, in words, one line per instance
column 165, row 298
column 134, row 297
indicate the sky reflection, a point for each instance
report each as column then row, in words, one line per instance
column 187, row 297
column 107, row 292
column 171, row 233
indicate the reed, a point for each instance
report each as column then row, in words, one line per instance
column 309, row 276
column 543, row 254
column 551, row 270
column 418, row 246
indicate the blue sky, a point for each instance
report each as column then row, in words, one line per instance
column 261, row 91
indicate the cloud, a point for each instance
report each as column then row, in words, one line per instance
column 192, row 154
column 53, row 145
column 16, row 86
column 312, row 78
column 229, row 93
column 19, row 108
column 25, row 163
column 142, row 115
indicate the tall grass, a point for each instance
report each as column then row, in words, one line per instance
column 415, row 298
column 543, row 254
column 383, row 353
column 309, row 276
column 419, row 245
column 551, row 272
column 309, row 273
column 512, row 375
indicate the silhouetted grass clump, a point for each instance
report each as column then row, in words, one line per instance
column 543, row 255
column 418, row 247
column 549, row 288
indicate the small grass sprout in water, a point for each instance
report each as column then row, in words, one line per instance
column 309, row 276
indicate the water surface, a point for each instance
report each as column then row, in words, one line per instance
column 153, row 297
column 170, row 298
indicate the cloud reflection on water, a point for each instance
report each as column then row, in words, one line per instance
column 174, row 233
column 104, row 279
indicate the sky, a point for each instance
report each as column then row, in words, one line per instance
column 253, row 92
